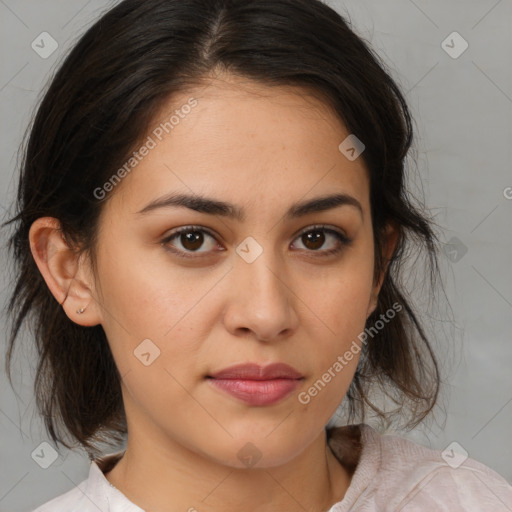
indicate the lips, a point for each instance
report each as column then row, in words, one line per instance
column 257, row 385
column 254, row 371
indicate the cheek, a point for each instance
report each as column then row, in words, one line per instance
column 340, row 297
column 333, row 363
column 135, row 291
column 332, row 351
column 337, row 312
column 164, row 304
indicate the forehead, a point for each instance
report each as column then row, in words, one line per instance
column 244, row 142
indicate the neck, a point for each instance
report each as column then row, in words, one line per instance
column 176, row 479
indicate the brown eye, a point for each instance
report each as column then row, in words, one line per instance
column 317, row 237
column 192, row 240
column 188, row 240
column 314, row 239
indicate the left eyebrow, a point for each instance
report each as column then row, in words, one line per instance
column 212, row 206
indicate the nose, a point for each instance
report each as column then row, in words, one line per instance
column 262, row 302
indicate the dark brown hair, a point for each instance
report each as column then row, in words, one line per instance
column 97, row 109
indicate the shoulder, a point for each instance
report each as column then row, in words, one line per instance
column 93, row 494
column 423, row 478
column 75, row 500
column 398, row 474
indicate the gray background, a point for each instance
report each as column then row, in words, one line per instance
column 463, row 115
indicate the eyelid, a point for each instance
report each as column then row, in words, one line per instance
column 192, row 227
column 323, row 227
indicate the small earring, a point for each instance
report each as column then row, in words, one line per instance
column 80, row 311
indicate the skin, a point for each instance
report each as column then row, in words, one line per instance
column 262, row 149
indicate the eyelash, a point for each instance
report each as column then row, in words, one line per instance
column 344, row 240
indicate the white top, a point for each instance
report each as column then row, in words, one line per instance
column 392, row 474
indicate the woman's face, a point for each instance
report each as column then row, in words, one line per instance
column 259, row 277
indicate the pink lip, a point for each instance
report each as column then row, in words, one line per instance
column 257, row 385
column 253, row 371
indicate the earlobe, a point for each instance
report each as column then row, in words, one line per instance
column 63, row 272
column 372, row 306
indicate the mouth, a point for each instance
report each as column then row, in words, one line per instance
column 257, row 385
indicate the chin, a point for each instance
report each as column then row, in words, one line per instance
column 261, row 452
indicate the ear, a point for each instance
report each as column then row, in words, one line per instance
column 68, row 277
column 390, row 240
